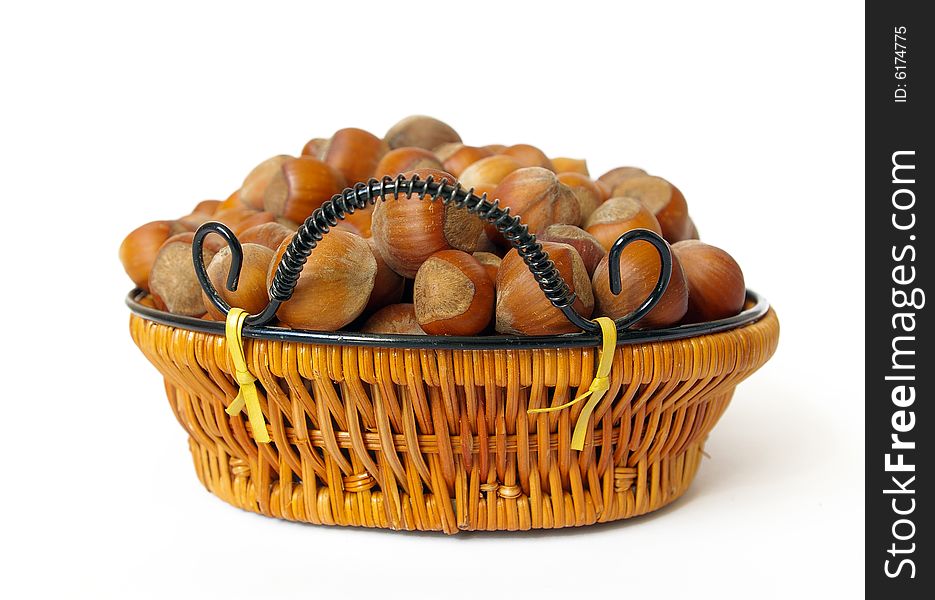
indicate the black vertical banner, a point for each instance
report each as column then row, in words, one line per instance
column 900, row 366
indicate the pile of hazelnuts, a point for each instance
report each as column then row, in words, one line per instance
column 410, row 266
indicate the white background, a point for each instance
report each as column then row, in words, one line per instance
column 115, row 115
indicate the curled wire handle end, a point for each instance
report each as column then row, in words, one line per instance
column 201, row 270
column 665, row 273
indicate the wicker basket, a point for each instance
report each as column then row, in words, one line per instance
column 426, row 433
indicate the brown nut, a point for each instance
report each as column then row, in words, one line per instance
column 618, row 216
column 662, row 199
column 589, row 248
column 257, row 218
column 355, row 153
column 488, row 171
column 639, row 271
column 456, row 161
column 528, row 156
column 420, row 131
column 270, row 235
column 405, row 159
column 139, row 249
column 388, row 285
column 537, row 196
column 335, row 284
column 522, row 308
column 606, row 191
column 316, row 148
column 453, row 294
column 613, row 177
column 232, row 201
column 202, row 213
column 254, row 184
column 251, row 293
column 716, row 288
column 172, row 279
column 491, row 264
column 585, row 190
column 301, row 185
column 409, row 230
column 494, row 148
column 571, row 165
column 395, row 318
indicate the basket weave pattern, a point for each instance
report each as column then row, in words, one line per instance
column 440, row 439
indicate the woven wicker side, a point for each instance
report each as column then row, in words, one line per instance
column 440, row 439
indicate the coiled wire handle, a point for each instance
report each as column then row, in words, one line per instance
column 358, row 197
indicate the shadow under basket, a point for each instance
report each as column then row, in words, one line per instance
column 434, row 438
column 432, row 433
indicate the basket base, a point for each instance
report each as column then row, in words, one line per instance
column 630, row 492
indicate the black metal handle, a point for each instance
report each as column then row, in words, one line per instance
column 358, row 197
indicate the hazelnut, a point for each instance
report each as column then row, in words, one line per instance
column 613, row 177
column 537, row 196
column 420, row 131
column 453, row 294
column 334, row 286
column 301, row 185
column 139, row 249
column 606, row 191
column 202, row 213
column 406, row 159
column 491, row 264
column 618, row 216
column 716, row 288
column 585, row 190
column 316, row 148
column 270, row 235
column 662, row 199
column 528, row 156
column 232, row 201
column 571, row 165
column 522, row 308
column 388, row 285
column 254, row 184
column 251, row 293
column 395, row 318
column 494, row 148
column 257, row 218
column 589, row 248
column 172, row 279
column 639, row 271
column 489, row 171
column 462, row 158
column 355, row 153
column 409, row 230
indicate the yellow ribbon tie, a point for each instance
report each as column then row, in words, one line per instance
column 247, row 396
column 598, row 387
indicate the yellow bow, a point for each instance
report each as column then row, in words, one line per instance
column 247, row 396
column 598, row 387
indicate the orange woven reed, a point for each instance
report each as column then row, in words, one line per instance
column 440, row 439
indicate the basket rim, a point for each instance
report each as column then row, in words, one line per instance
column 756, row 309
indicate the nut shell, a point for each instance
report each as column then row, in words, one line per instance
column 355, row 153
column 639, row 270
column 139, row 249
column 589, row 248
column 613, row 177
column 585, row 190
column 529, row 156
column 522, row 308
column 488, row 171
column 301, row 185
column 663, row 200
column 253, row 189
column 537, row 196
column 406, row 159
column 716, row 287
column 453, row 295
column 334, row 286
column 421, row 131
column 618, row 216
column 409, row 230
column 395, row 319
